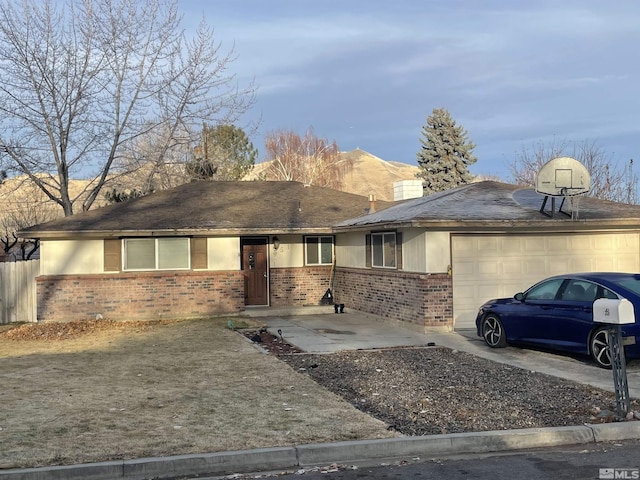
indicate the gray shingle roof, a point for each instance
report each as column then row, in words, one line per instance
column 491, row 203
column 278, row 207
column 224, row 207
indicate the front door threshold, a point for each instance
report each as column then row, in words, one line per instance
column 266, row 311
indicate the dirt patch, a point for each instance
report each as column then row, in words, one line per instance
column 271, row 343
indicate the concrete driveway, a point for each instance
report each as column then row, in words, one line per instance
column 325, row 332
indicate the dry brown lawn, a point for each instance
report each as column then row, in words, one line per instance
column 130, row 390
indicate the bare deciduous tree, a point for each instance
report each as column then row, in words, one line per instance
column 16, row 216
column 308, row 159
column 141, row 171
column 609, row 181
column 81, row 81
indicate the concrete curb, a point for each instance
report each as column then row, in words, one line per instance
column 283, row 458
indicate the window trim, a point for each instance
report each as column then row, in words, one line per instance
column 156, row 250
column 319, row 245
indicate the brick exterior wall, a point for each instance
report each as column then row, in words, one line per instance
column 298, row 286
column 139, row 296
column 423, row 300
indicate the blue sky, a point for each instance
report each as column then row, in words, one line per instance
column 368, row 73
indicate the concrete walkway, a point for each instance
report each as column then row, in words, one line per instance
column 320, row 331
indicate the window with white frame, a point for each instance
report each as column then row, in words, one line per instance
column 383, row 250
column 319, row 250
column 157, row 253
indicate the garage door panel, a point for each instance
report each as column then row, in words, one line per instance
column 556, row 265
column 604, row 243
column 558, row 244
column 465, row 268
column 488, row 245
column 580, row 243
column 534, row 245
column 512, row 267
column 497, row 266
column 535, row 266
column 584, row 265
column 488, row 268
column 511, row 246
column 620, row 264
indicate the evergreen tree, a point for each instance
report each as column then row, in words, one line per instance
column 224, row 153
column 445, row 154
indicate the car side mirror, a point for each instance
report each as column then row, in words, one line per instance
column 519, row 296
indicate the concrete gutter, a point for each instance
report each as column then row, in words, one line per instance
column 291, row 458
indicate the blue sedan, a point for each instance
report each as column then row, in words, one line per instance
column 557, row 314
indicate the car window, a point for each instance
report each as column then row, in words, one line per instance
column 579, row 291
column 606, row 293
column 545, row 290
column 632, row 284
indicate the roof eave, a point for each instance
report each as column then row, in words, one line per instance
column 195, row 232
column 544, row 225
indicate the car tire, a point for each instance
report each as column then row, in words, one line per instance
column 599, row 347
column 493, row 331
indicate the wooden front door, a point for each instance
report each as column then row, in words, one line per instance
column 254, row 268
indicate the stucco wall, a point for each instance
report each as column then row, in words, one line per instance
column 422, row 300
column 350, row 250
column 290, row 253
column 139, row 296
column 422, row 251
column 438, row 246
column 223, row 253
column 76, row 257
column 414, row 251
column 58, row 257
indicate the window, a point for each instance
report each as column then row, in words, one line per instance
column 156, row 254
column 383, row 250
column 319, row 250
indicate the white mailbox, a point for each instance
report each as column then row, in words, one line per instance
column 615, row 311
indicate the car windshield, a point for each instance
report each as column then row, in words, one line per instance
column 545, row 290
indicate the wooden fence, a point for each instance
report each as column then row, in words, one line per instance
column 18, row 300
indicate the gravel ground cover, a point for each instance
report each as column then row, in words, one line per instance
column 434, row 390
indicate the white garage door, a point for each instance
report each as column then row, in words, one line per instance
column 495, row 266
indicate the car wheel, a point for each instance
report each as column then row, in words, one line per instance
column 493, row 332
column 599, row 347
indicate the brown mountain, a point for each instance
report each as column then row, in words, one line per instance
column 370, row 175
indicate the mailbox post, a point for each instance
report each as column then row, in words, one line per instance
column 614, row 313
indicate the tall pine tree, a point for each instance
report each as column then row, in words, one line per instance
column 445, row 154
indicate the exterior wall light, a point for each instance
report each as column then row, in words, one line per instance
column 276, row 243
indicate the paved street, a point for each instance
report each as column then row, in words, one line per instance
column 573, row 462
